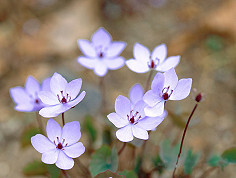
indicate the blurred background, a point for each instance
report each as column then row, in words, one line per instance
column 39, row 37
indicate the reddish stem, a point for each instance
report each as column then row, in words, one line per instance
column 122, row 148
column 63, row 119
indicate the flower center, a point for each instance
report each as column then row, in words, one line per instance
column 37, row 101
column 101, row 54
column 166, row 93
column 133, row 118
column 60, row 145
column 153, row 63
column 64, row 98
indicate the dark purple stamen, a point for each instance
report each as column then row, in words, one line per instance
column 37, row 101
column 59, row 146
column 165, row 94
column 101, row 54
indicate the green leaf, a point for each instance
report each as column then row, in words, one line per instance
column 190, row 161
column 89, row 127
column 28, row 132
column 106, row 136
column 129, row 174
column 214, row 42
column 35, row 168
column 53, row 171
column 159, row 164
column 214, row 160
column 103, row 159
column 229, row 155
column 108, row 174
column 169, row 154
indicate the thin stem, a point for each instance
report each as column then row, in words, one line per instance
column 122, row 148
column 182, row 141
column 102, row 88
column 65, row 173
column 148, row 80
column 83, row 168
column 40, row 124
column 63, row 119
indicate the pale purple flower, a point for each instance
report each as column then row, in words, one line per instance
column 101, row 54
column 144, row 61
column 62, row 96
column 132, row 121
column 27, row 99
column 61, row 145
column 165, row 86
column 136, row 94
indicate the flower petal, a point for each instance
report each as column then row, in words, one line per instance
column 101, row 38
column 87, row 48
column 64, row 162
column 53, row 111
column 25, row 107
column 46, row 84
column 170, row 62
column 141, row 53
column 41, row 143
column 32, row 86
column 57, row 83
column 53, row 130
column 50, row 157
column 117, row 120
column 150, row 123
column 100, row 69
column 160, row 52
column 74, row 150
column 171, row 79
column 125, row 134
column 157, row 110
column 151, row 98
column 136, row 93
column 47, row 97
column 74, row 87
column 19, row 95
column 76, row 101
column 158, row 83
column 86, row 62
column 114, row 63
column 182, row 89
column 122, row 106
column 115, row 49
column 71, row 132
column 139, row 132
column 137, row 66
column 139, row 108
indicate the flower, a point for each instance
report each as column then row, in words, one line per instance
column 132, row 121
column 27, row 99
column 101, row 54
column 136, row 94
column 165, row 86
column 62, row 96
column 61, row 145
column 143, row 61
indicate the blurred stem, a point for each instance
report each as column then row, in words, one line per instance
column 182, row 140
column 122, row 148
column 148, row 80
column 102, row 88
column 63, row 119
column 40, row 123
column 65, row 173
column 83, row 168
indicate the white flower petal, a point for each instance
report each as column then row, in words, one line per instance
column 25, row 107
column 151, row 98
column 136, row 93
column 19, row 95
column 87, row 62
column 41, row 143
column 117, row 120
column 100, row 69
column 53, row 130
column 170, row 62
column 141, row 53
column 71, row 132
column 74, row 87
column 157, row 110
column 32, row 86
column 139, row 132
column 114, row 63
column 49, row 98
column 160, row 52
column 50, row 157
column 171, row 79
column 150, row 123
column 57, row 83
column 74, row 150
column 137, row 66
column 101, row 38
column 158, row 83
column 115, row 49
column 46, row 84
column 182, row 89
column 76, row 101
column 125, row 134
column 87, row 48
column 64, row 162
column 53, row 111
column 122, row 106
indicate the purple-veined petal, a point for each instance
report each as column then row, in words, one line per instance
column 151, row 98
column 160, row 52
column 87, row 48
column 114, row 63
column 125, row 134
column 74, row 150
column 139, row 132
column 139, row 108
column 141, row 53
column 137, row 66
column 25, row 107
column 100, row 69
column 57, row 83
column 87, row 62
column 64, row 162
column 47, row 97
column 182, row 89
column 50, row 157
column 157, row 110
column 53, row 130
column 158, row 83
column 171, row 79
column 101, row 38
column 73, row 88
column 19, row 95
column 41, row 143
column 71, row 132
column 136, row 93
column 170, row 62
column 46, row 84
column 150, row 123
column 122, row 106
column 117, row 120
column 32, row 86
column 115, row 49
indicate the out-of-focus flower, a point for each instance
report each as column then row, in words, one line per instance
column 165, row 86
column 132, row 121
column 62, row 96
column 101, row 53
column 61, row 145
column 136, row 94
column 143, row 61
column 27, row 99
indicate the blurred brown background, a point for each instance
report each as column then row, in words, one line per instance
column 39, row 37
